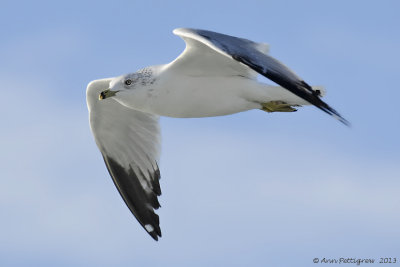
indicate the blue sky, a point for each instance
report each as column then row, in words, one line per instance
column 251, row 189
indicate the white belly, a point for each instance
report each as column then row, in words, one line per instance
column 201, row 96
column 185, row 96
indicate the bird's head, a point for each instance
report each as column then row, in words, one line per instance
column 120, row 85
column 131, row 90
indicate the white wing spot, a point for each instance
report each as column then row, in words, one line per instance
column 149, row 228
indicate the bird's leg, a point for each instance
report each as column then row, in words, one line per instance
column 277, row 106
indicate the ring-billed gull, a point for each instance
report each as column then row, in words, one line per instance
column 215, row 75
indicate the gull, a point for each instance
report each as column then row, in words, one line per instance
column 215, row 75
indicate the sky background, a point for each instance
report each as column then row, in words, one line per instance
column 250, row 189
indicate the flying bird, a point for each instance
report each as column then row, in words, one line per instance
column 215, row 75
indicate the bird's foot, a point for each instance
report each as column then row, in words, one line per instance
column 277, row 106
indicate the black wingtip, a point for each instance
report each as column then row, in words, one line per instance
column 326, row 108
column 314, row 97
column 155, row 232
column 344, row 121
column 341, row 119
column 154, row 236
column 140, row 202
column 291, row 83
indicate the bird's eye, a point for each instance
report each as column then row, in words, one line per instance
column 128, row 82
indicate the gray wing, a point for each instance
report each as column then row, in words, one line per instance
column 251, row 55
column 129, row 141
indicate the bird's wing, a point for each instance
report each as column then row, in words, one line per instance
column 222, row 54
column 129, row 141
column 202, row 57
